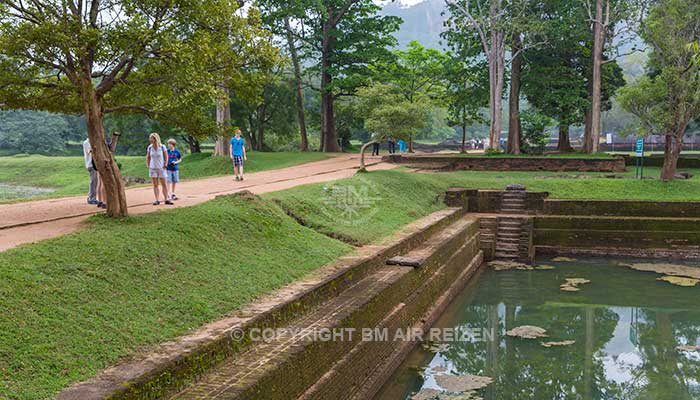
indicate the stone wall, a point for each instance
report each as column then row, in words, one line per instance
column 677, row 238
column 689, row 161
column 468, row 163
column 623, row 208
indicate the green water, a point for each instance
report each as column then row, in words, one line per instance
column 626, row 325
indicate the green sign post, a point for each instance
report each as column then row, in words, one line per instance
column 639, row 151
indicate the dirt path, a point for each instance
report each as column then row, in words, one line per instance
column 32, row 221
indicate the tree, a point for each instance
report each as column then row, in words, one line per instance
column 669, row 98
column 270, row 106
column 97, row 57
column 556, row 79
column 390, row 114
column 492, row 24
column 417, row 72
column 344, row 37
column 610, row 21
column 464, row 94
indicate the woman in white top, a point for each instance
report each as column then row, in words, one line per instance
column 156, row 158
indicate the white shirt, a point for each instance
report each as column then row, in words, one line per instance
column 157, row 158
column 87, row 153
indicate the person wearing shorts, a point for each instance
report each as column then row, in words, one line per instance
column 173, row 168
column 238, row 154
column 156, row 157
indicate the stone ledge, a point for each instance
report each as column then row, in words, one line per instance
column 459, row 163
column 173, row 364
column 675, row 254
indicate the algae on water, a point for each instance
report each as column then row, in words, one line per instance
column 563, row 259
column 666, row 269
column 462, row 383
column 572, row 284
column 679, row 280
column 557, row 344
column 527, row 332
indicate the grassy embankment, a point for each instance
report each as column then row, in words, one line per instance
column 76, row 304
column 68, row 176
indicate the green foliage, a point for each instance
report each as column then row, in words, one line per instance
column 161, row 59
column 534, row 138
column 389, row 113
column 24, row 131
column 556, row 77
column 667, row 99
column 76, row 304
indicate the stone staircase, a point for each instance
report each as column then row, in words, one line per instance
column 510, row 229
column 408, row 290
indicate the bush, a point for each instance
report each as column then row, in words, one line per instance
column 533, row 138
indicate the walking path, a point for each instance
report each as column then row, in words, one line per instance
column 32, row 221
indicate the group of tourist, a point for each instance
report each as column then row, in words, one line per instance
column 391, row 144
column 163, row 165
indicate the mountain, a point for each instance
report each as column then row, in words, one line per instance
column 422, row 21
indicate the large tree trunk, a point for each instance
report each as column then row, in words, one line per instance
column 585, row 144
column 496, row 60
column 301, row 117
column 249, row 134
column 464, row 136
column 596, row 77
column 514, row 101
column 329, row 137
column 223, row 121
column 564, row 145
column 107, row 168
column 672, row 150
column 192, row 143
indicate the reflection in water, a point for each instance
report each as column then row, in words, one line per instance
column 626, row 325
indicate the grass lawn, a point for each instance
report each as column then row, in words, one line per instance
column 366, row 207
column 68, row 175
column 76, row 304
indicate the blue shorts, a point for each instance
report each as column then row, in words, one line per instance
column 173, row 176
column 237, row 161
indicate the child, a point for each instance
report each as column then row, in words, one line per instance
column 156, row 156
column 173, row 169
column 238, row 154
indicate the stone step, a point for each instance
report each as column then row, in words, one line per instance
column 262, row 370
column 237, row 377
column 512, row 211
column 507, row 256
column 509, row 240
column 438, row 247
column 342, row 378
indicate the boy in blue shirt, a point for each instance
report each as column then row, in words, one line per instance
column 172, row 167
column 238, row 154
